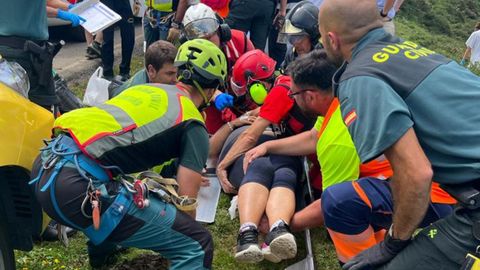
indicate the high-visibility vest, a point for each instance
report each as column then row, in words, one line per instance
column 340, row 166
column 160, row 5
column 134, row 116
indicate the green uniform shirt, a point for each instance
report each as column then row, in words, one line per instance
column 392, row 85
column 336, row 152
column 24, row 18
column 140, row 77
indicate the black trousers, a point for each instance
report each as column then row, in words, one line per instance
column 127, row 32
column 255, row 16
column 41, row 93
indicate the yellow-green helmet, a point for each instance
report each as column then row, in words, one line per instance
column 202, row 58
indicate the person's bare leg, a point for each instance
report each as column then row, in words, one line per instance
column 88, row 38
column 99, row 37
column 252, row 200
column 280, row 244
column 309, row 217
column 280, row 205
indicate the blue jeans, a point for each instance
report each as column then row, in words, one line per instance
column 159, row 31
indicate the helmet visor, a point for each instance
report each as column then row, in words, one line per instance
column 200, row 28
column 289, row 29
column 295, row 38
column 239, row 90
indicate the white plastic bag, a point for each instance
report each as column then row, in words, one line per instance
column 97, row 89
column 13, row 75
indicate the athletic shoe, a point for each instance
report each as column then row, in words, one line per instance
column 94, row 51
column 248, row 250
column 268, row 255
column 281, row 242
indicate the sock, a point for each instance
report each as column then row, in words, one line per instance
column 245, row 226
column 278, row 222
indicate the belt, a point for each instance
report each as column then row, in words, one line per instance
column 18, row 42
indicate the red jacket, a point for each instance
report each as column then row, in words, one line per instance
column 233, row 49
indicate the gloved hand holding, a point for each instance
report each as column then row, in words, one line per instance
column 223, row 101
column 462, row 63
column 67, row 16
column 377, row 255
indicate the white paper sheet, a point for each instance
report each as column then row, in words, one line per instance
column 98, row 15
column 207, row 200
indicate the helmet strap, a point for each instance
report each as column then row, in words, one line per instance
column 206, row 102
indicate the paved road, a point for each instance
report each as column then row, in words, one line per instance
column 72, row 64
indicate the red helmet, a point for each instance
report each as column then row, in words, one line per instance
column 251, row 66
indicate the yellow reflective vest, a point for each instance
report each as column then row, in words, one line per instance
column 160, row 5
column 134, row 116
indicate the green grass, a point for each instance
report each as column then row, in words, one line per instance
column 54, row 256
column 444, row 32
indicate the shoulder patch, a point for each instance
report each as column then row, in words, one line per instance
column 350, row 117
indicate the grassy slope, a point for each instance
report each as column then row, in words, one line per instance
column 441, row 25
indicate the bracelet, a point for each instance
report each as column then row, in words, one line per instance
column 382, row 14
column 230, row 126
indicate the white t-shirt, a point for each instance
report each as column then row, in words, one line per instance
column 473, row 42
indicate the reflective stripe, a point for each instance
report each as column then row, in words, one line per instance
column 141, row 112
column 361, row 193
column 120, row 115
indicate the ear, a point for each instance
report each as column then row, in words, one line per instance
column 151, row 71
column 334, row 40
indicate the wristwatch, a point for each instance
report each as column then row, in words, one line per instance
column 383, row 15
column 175, row 24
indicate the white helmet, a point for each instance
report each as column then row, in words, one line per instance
column 199, row 21
column 197, row 12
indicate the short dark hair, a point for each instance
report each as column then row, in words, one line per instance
column 313, row 70
column 477, row 26
column 159, row 53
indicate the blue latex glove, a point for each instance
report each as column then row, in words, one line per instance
column 223, row 101
column 67, row 16
column 462, row 63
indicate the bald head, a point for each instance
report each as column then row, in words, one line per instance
column 350, row 19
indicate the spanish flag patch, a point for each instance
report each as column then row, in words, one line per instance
column 350, row 117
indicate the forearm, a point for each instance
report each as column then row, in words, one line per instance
column 52, row 12
column 410, row 184
column 467, row 53
column 283, row 7
column 57, row 4
column 388, row 6
column 299, row 145
column 244, row 143
column 411, row 201
column 181, row 9
column 218, row 139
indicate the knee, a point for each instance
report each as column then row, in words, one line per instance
column 259, row 171
column 341, row 209
column 285, row 177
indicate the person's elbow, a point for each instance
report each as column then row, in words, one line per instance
column 422, row 179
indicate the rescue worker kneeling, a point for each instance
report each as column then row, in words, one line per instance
column 77, row 174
